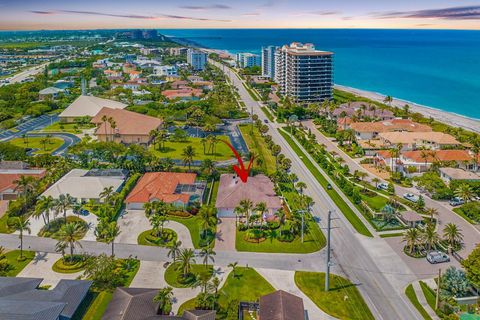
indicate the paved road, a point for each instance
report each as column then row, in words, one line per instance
column 25, row 74
column 27, row 126
column 471, row 235
column 381, row 273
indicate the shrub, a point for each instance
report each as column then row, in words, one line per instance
column 471, row 210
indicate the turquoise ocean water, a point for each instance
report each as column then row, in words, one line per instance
column 436, row 68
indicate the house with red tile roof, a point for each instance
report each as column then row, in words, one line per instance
column 423, row 159
column 179, row 189
column 370, row 130
column 183, row 93
column 8, row 178
column 129, row 127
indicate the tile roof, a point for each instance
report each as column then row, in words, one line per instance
column 418, row 137
column 258, row 189
column 281, row 305
column 182, row 93
column 160, row 186
column 459, row 174
column 89, row 106
column 8, row 177
column 127, row 122
column 389, row 126
column 439, row 155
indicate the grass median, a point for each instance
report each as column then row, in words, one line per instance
column 337, row 199
column 410, row 293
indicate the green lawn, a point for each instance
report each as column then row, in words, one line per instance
column 55, row 225
column 391, row 235
column 12, row 257
column 376, row 203
column 257, row 145
column 3, row 225
column 313, row 241
column 174, row 150
column 34, row 143
column 430, row 296
column 173, row 273
column 67, row 127
column 410, row 292
column 193, row 225
column 339, row 201
column 333, row 302
column 148, row 238
column 246, row 285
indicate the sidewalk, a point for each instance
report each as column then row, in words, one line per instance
column 423, row 301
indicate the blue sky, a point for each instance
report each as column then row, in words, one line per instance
column 88, row 14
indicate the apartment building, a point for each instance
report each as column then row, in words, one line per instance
column 247, row 60
column 303, row 73
column 197, row 59
column 268, row 61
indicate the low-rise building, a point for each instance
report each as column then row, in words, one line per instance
column 84, row 185
column 126, row 127
column 50, row 93
column 258, row 189
column 165, row 71
column 9, row 178
column 183, row 93
column 371, row 130
column 422, row 160
column 87, row 106
column 179, row 189
column 360, row 109
column 449, row 174
column 415, row 140
column 178, row 51
column 21, row 299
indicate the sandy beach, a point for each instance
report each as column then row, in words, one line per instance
column 449, row 118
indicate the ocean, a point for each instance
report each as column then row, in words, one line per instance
column 435, row 68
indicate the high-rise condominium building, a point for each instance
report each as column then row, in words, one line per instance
column 303, row 73
column 197, row 59
column 246, row 60
column 268, row 61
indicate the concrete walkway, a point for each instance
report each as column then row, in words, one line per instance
column 423, row 301
column 134, row 222
column 151, row 274
column 41, row 267
column 285, row 280
column 226, row 235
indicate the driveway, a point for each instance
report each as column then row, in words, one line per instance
column 41, row 267
column 134, row 222
column 226, row 232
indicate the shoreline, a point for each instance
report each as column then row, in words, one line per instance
column 449, row 118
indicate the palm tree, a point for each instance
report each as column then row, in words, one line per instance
column 301, row 186
column 208, row 218
column 70, row 234
column 430, row 237
column 43, row 207
column 25, row 185
column 106, row 193
column 110, row 233
column 153, row 135
column 207, row 254
column 157, row 221
column 63, row 203
column 104, row 120
column 233, row 265
column 186, row 258
column 164, row 298
column 247, row 206
column 412, row 237
column 188, row 154
column 21, row 224
column 261, row 207
column 464, row 192
column 174, row 250
column 432, row 212
column 208, row 167
column 453, row 234
column 238, row 212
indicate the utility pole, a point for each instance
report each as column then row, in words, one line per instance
column 437, row 300
column 327, row 273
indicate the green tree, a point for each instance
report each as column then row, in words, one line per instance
column 207, row 254
column 63, row 203
column 208, row 218
column 464, row 192
column 430, row 237
column 70, row 234
column 453, row 234
column 21, row 224
column 188, row 155
column 174, row 250
column 186, row 258
column 412, row 237
column 164, row 298
column 43, row 207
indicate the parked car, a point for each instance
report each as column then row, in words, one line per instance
column 266, row 120
column 437, row 257
column 382, row 186
column 410, row 197
column 329, row 186
column 84, row 212
column 456, row 201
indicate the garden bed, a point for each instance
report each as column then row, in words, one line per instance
column 149, row 238
column 69, row 266
column 174, row 277
column 51, row 230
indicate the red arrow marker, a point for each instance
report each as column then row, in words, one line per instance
column 241, row 171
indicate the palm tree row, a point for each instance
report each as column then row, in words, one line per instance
column 417, row 239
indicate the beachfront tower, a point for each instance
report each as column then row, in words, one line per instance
column 303, row 73
column 268, row 61
column 197, row 59
column 247, row 60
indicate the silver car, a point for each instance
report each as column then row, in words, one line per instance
column 410, row 197
column 437, row 257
